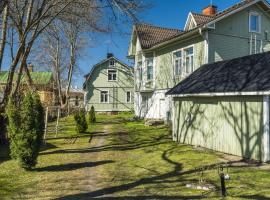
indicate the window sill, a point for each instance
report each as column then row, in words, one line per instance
column 250, row 31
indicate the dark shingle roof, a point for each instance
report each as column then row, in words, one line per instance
column 150, row 35
column 202, row 19
column 245, row 74
column 38, row 78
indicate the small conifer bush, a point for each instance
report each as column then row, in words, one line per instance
column 26, row 126
column 92, row 115
column 80, row 120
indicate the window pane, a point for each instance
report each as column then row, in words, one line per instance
column 149, row 65
column 149, row 72
column 104, row 96
column 177, row 54
column 189, row 60
column 254, row 23
column 112, row 75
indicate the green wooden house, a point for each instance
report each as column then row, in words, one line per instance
column 163, row 57
column 109, row 86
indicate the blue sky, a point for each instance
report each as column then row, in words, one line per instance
column 165, row 13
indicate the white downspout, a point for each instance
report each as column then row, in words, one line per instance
column 265, row 138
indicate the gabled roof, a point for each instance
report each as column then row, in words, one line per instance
column 151, row 36
column 38, row 78
column 87, row 76
column 239, row 75
column 202, row 19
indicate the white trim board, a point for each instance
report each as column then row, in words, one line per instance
column 261, row 93
column 265, row 137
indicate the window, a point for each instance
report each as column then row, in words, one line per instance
column 177, row 60
column 104, row 97
column 139, row 67
column 183, row 61
column 112, row 63
column 128, row 97
column 254, row 22
column 112, row 75
column 188, row 60
column 149, row 67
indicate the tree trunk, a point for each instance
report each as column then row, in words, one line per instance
column 4, row 35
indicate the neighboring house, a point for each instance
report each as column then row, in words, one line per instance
column 76, row 97
column 224, row 106
column 109, row 86
column 43, row 81
column 163, row 57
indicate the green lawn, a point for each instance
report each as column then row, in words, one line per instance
column 119, row 159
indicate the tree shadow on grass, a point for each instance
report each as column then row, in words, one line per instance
column 72, row 166
column 176, row 173
column 124, row 145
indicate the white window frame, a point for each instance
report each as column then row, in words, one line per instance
column 130, row 96
column 146, row 67
column 183, row 64
column 112, row 65
column 253, row 13
column 115, row 73
column 108, row 92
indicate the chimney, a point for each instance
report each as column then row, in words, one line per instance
column 30, row 67
column 109, row 55
column 210, row 10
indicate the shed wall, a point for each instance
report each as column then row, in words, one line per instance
column 232, row 125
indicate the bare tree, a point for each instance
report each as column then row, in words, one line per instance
column 30, row 18
column 4, row 34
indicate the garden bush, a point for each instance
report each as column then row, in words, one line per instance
column 92, row 115
column 80, row 120
column 25, row 128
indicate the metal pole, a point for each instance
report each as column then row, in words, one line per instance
column 222, row 183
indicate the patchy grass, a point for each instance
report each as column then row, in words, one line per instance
column 125, row 160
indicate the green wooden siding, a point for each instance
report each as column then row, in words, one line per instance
column 164, row 72
column 232, row 125
column 231, row 37
column 118, row 89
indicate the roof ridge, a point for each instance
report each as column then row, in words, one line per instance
column 234, row 5
column 155, row 26
column 194, row 13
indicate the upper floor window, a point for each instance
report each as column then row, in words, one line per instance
column 183, row 61
column 112, row 75
column 177, row 62
column 254, row 22
column 149, row 68
column 139, row 66
column 112, row 63
column 104, row 97
column 189, row 60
